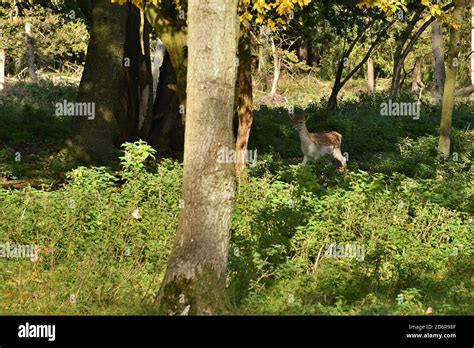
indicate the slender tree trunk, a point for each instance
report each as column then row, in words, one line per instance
column 304, row 51
column 450, row 84
column 404, row 48
column 438, row 55
column 245, row 97
column 339, row 82
column 2, row 69
column 30, row 51
column 472, row 45
column 262, row 72
column 195, row 279
column 332, row 102
column 399, row 55
column 262, row 60
column 276, row 68
column 417, row 84
column 370, row 75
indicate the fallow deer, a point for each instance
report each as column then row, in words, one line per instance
column 315, row 145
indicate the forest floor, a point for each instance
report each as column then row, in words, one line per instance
column 395, row 237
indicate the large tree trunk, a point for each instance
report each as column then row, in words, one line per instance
column 438, row 55
column 245, row 97
column 104, row 84
column 117, row 79
column 195, row 279
column 370, row 75
column 450, row 84
column 30, row 51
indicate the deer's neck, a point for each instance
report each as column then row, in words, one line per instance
column 304, row 136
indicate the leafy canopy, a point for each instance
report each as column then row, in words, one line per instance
column 390, row 7
column 273, row 13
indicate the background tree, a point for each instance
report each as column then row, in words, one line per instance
column 472, row 45
column 111, row 80
column 452, row 63
column 370, row 75
column 354, row 28
column 438, row 55
column 244, row 95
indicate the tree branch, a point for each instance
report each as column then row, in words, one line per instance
column 367, row 55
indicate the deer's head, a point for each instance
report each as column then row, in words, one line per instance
column 299, row 122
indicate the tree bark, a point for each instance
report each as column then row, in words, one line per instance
column 399, row 55
column 417, row 84
column 339, row 82
column 472, row 45
column 304, row 52
column 245, row 97
column 30, row 51
column 103, row 83
column 195, row 279
column 157, row 63
column 370, row 75
column 465, row 92
column 167, row 133
column 2, row 69
column 136, row 122
column 262, row 60
column 117, row 80
column 402, row 51
column 173, row 33
column 276, row 68
column 332, row 102
column 438, row 55
column 450, row 83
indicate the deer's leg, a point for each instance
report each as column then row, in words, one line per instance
column 336, row 153
column 305, row 160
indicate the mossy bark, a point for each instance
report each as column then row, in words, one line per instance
column 103, row 83
column 195, row 278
